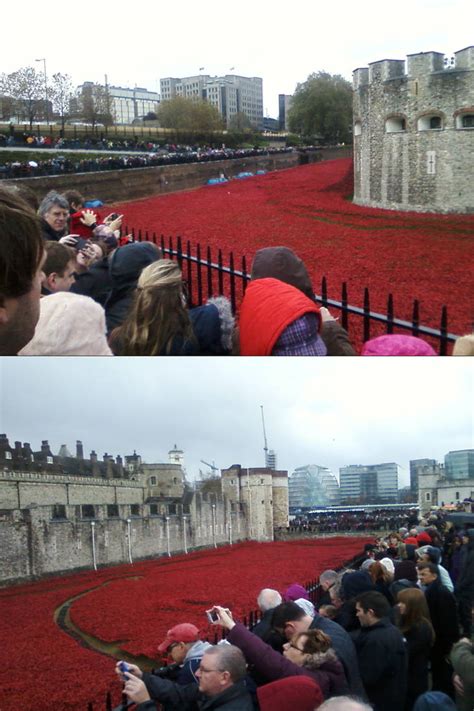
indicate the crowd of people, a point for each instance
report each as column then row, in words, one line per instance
column 148, row 155
column 381, row 519
column 389, row 635
column 86, row 271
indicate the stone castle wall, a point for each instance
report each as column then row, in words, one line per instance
column 411, row 151
column 33, row 543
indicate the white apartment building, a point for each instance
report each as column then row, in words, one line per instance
column 230, row 94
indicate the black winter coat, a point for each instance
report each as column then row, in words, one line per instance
column 345, row 650
column 419, row 640
column 465, row 583
column 383, row 665
column 444, row 617
column 189, row 698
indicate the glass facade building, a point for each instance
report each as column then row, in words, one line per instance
column 459, row 464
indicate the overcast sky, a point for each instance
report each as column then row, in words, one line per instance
column 327, row 411
column 282, row 43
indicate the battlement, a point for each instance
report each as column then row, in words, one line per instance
column 417, row 65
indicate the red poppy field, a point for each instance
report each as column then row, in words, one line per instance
column 131, row 608
column 413, row 256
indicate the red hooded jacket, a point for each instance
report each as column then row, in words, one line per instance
column 268, row 307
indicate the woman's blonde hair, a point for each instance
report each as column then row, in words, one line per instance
column 158, row 322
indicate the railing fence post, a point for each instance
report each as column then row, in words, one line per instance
column 366, row 315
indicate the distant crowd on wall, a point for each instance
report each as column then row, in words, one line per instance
column 104, row 294
column 393, row 633
column 151, row 155
column 334, row 521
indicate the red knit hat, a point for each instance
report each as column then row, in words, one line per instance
column 424, row 538
column 293, row 692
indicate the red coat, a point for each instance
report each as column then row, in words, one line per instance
column 268, row 307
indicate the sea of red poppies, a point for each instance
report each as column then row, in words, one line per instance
column 133, row 607
column 413, row 256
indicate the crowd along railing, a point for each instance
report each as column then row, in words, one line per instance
column 249, row 620
column 207, row 277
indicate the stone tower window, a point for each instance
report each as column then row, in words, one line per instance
column 465, row 120
column 395, row 124
column 152, row 481
column 112, row 511
column 357, row 128
column 87, row 511
column 430, row 122
column 59, row 512
column 428, row 496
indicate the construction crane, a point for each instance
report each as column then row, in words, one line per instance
column 212, row 466
column 265, row 448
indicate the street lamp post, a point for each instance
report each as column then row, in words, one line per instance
column 94, row 558
column 45, row 89
column 214, row 525
column 129, row 539
column 167, row 521
column 184, row 536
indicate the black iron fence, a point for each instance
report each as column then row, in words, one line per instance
column 206, row 277
column 249, row 620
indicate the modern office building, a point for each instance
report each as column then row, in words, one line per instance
column 271, row 459
column 311, row 486
column 372, row 483
column 415, row 466
column 126, row 105
column 230, row 94
column 459, row 464
column 284, row 106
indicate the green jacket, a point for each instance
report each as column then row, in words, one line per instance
column 462, row 659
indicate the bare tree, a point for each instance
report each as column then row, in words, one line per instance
column 95, row 104
column 26, row 87
column 61, row 92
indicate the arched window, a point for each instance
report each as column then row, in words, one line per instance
column 465, row 119
column 430, row 122
column 395, row 124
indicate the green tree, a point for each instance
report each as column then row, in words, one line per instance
column 185, row 114
column 61, row 92
column 26, row 87
column 239, row 122
column 322, row 108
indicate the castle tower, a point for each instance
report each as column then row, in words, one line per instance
column 176, row 456
column 414, row 133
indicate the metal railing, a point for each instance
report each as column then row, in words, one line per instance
column 206, row 278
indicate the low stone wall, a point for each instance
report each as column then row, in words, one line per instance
column 132, row 184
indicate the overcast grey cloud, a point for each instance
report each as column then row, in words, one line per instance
column 282, row 44
column 331, row 412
